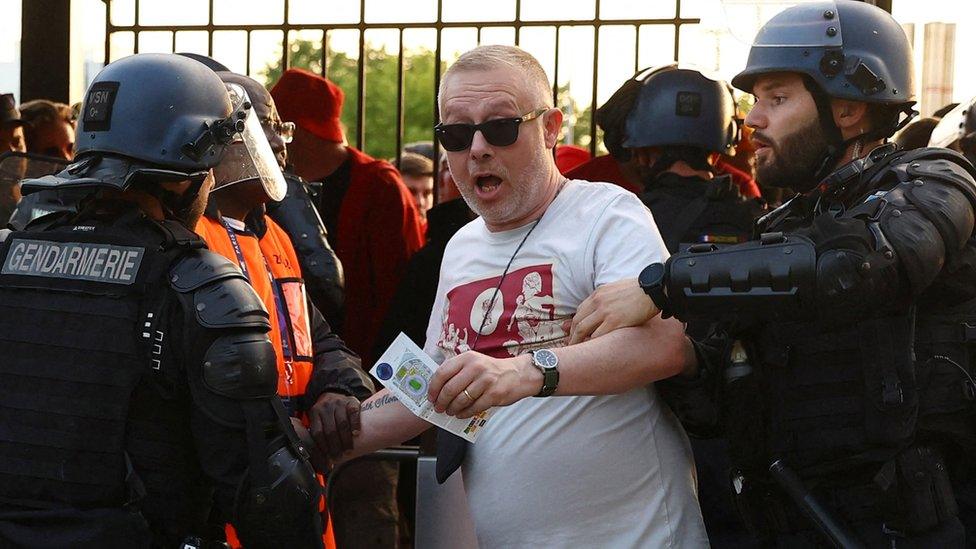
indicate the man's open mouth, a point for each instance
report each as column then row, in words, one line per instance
column 487, row 183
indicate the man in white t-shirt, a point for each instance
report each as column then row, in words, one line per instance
column 596, row 459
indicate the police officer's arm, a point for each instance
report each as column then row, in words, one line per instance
column 245, row 446
column 887, row 249
column 333, row 394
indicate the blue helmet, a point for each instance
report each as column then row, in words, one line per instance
column 159, row 117
column 682, row 107
column 851, row 50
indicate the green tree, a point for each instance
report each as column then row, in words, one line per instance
column 577, row 122
column 381, row 91
column 418, row 95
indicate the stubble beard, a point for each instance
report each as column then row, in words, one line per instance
column 524, row 186
column 795, row 159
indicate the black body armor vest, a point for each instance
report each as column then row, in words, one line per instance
column 691, row 210
column 864, row 405
column 73, row 317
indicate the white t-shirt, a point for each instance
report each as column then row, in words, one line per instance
column 608, row 471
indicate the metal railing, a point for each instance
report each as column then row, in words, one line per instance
column 395, row 454
column 438, row 25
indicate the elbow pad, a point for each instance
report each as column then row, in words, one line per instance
column 287, row 514
column 231, row 324
column 770, row 278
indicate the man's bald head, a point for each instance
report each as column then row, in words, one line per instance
column 495, row 57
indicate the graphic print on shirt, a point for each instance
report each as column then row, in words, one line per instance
column 522, row 317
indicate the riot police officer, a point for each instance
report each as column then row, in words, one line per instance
column 843, row 381
column 680, row 122
column 138, row 400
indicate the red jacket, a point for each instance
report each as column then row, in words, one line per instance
column 603, row 168
column 378, row 230
column 747, row 185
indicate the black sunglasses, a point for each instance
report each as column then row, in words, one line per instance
column 500, row 132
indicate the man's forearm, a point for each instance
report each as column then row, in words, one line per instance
column 624, row 359
column 613, row 363
column 385, row 422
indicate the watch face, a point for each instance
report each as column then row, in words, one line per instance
column 651, row 275
column 546, row 358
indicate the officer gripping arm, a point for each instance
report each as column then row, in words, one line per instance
column 888, row 248
column 867, row 231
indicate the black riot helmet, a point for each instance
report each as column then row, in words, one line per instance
column 150, row 117
column 682, row 107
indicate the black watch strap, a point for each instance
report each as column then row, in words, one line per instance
column 550, row 380
column 660, row 299
column 651, row 280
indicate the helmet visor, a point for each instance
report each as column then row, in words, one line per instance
column 249, row 156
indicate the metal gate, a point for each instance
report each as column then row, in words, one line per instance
column 601, row 17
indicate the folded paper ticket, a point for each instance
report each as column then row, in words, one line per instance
column 406, row 370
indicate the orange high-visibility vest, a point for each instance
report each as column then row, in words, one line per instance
column 273, row 257
column 271, row 266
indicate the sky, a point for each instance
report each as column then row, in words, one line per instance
column 719, row 44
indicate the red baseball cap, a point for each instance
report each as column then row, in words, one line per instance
column 311, row 101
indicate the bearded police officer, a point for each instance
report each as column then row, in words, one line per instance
column 138, row 398
column 848, row 397
column 680, row 122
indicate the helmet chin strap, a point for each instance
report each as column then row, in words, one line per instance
column 836, row 144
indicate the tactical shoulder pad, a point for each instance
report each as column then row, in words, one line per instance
column 944, row 166
column 926, row 220
column 221, row 295
column 241, row 366
column 200, row 267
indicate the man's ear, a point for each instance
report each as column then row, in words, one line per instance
column 552, row 122
column 851, row 117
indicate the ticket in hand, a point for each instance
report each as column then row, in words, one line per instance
column 406, row 370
